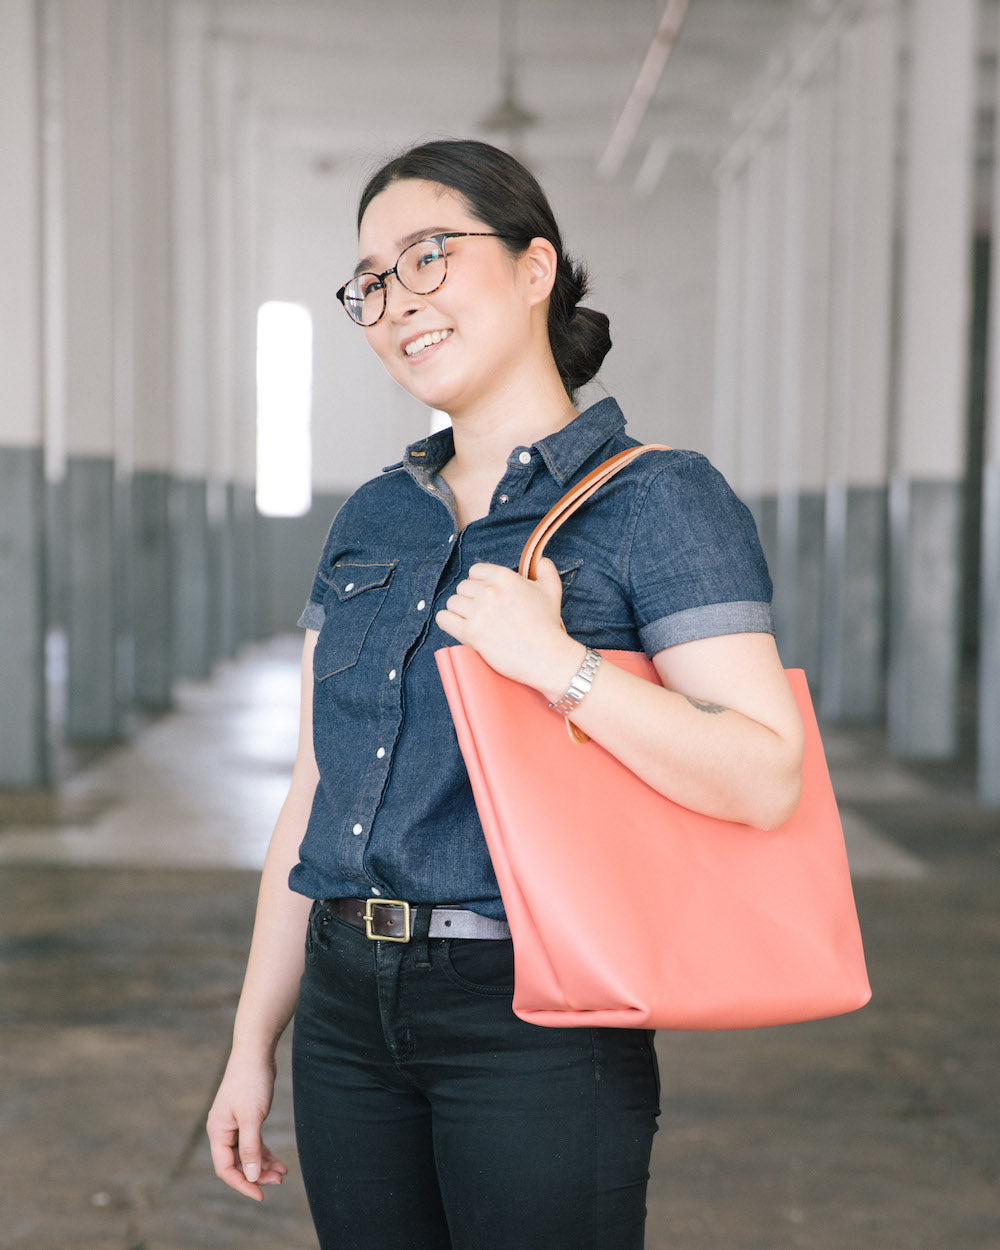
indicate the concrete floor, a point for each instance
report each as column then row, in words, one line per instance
column 125, row 909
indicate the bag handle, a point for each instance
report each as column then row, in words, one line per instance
column 562, row 510
column 575, row 498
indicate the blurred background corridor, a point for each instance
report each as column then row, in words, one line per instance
column 787, row 207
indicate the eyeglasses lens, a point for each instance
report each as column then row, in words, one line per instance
column 421, row 269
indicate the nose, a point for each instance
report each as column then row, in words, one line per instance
column 400, row 303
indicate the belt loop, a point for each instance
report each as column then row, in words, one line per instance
column 420, row 935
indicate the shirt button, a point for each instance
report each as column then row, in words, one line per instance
column 525, row 457
column 392, row 674
column 376, row 890
column 349, row 586
column 380, row 753
column 505, row 498
column 356, row 830
column 421, row 605
column 451, row 538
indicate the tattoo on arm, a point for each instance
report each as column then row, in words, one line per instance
column 703, row 706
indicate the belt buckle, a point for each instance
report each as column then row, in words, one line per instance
column 371, row 903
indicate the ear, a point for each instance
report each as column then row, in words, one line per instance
column 539, row 261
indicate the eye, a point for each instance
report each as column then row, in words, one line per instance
column 368, row 284
column 427, row 252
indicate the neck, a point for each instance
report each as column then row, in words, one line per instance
column 517, row 417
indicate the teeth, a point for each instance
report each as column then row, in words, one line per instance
column 425, row 340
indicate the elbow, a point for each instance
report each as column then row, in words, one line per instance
column 778, row 809
column 776, row 802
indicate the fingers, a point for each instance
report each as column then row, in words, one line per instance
column 547, row 575
column 227, row 1164
column 243, row 1162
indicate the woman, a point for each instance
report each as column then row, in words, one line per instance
column 425, row 1110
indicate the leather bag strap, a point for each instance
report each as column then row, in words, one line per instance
column 562, row 510
column 575, row 498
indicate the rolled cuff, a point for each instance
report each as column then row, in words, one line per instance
column 710, row 621
column 313, row 616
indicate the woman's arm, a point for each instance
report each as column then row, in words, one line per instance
column 271, row 984
column 722, row 736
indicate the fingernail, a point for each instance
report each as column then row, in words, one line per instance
column 251, row 1172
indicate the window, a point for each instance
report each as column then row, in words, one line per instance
column 284, row 409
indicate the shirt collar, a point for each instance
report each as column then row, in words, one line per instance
column 427, row 454
column 566, row 450
column 563, row 452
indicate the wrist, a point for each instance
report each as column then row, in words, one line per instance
column 252, row 1049
column 563, row 670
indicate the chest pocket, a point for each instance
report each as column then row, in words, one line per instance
column 356, row 593
column 567, row 569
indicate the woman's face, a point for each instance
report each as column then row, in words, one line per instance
column 479, row 319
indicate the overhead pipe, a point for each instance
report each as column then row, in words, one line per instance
column 771, row 110
column 643, row 89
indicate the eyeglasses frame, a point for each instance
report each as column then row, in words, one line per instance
column 439, row 239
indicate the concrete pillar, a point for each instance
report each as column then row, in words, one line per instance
column 143, row 27
column 191, row 159
column 861, row 356
column 728, row 323
column 803, row 409
column 988, row 738
column 223, row 79
column 928, row 463
column 23, row 721
column 758, row 390
column 988, row 762
column 243, row 381
column 95, row 637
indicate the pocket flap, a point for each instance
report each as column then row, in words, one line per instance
column 354, row 579
column 567, row 570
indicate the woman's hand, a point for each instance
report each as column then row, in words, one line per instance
column 515, row 625
column 234, row 1130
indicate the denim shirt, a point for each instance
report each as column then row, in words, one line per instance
column 663, row 554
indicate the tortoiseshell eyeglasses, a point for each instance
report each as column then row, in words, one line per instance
column 421, row 268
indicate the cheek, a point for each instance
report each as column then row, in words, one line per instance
column 379, row 341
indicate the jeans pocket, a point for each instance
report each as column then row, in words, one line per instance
column 482, row 966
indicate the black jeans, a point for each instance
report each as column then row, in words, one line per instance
column 428, row 1116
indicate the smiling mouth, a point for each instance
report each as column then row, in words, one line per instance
column 416, row 346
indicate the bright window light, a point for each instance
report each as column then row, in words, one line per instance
column 284, row 408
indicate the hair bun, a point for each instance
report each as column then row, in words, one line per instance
column 579, row 345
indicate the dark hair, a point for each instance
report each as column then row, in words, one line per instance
column 503, row 195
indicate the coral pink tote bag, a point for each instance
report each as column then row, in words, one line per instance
column 626, row 909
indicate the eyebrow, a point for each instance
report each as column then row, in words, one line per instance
column 366, row 264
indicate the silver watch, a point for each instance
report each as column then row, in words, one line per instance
column 580, row 685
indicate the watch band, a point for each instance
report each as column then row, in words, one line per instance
column 580, row 684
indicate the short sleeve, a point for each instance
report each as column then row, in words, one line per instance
column 313, row 616
column 695, row 565
column 314, row 612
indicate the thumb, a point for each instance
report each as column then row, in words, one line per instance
column 547, row 576
column 251, row 1149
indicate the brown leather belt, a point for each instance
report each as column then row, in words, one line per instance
column 390, row 920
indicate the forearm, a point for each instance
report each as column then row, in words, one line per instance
column 276, row 959
column 740, row 763
column 700, row 753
